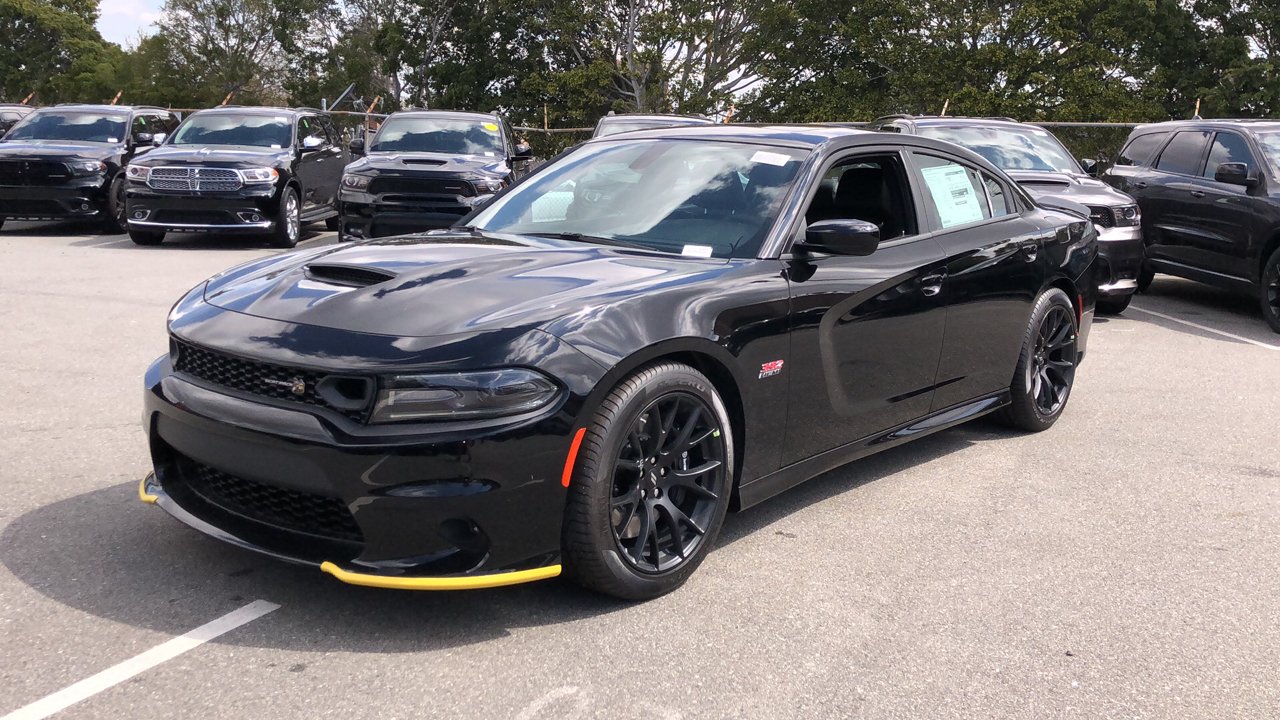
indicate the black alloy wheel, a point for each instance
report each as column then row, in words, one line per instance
column 651, row 484
column 1047, row 367
column 667, row 482
column 1271, row 291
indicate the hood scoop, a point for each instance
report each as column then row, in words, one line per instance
column 422, row 161
column 353, row 276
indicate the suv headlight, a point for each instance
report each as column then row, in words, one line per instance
column 462, row 396
column 258, row 175
column 138, row 172
column 1127, row 215
column 355, row 182
column 492, row 186
column 89, row 167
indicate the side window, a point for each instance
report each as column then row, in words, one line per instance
column 141, row 124
column 310, row 126
column 867, row 187
column 958, row 193
column 1228, row 148
column 1184, row 153
column 1001, row 203
column 335, row 138
column 1138, row 150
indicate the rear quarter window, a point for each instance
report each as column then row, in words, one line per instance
column 1138, row 150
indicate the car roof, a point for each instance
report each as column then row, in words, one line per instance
column 659, row 117
column 458, row 114
column 257, row 110
column 803, row 136
column 1237, row 123
column 956, row 120
column 15, row 106
column 89, row 107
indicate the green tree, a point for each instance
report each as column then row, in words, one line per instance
column 54, row 50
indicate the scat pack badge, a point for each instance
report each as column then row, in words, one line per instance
column 771, row 368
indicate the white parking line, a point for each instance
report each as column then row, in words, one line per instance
column 117, row 674
column 1215, row 331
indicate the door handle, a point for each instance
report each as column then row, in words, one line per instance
column 1197, row 193
column 931, row 284
column 1140, row 184
column 1030, row 251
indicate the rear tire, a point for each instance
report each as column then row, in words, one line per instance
column 288, row 220
column 1145, row 276
column 651, row 484
column 140, row 237
column 1271, row 291
column 334, row 223
column 1114, row 305
column 1047, row 366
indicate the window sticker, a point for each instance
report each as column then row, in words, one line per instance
column 491, row 127
column 113, row 140
column 953, row 194
column 696, row 250
column 770, row 158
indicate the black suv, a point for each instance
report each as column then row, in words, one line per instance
column 613, row 123
column 10, row 114
column 1210, row 202
column 1039, row 162
column 233, row 169
column 67, row 161
column 425, row 169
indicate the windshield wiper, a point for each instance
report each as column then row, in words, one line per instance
column 593, row 239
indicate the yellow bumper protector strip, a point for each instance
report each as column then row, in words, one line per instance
column 143, row 495
column 472, row 582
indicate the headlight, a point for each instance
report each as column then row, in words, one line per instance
column 92, row 167
column 492, row 186
column 1127, row 215
column 355, row 182
column 259, row 175
column 138, row 172
column 462, row 396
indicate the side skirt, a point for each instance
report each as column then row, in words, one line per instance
column 1208, row 277
column 788, row 477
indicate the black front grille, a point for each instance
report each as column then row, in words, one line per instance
column 293, row 510
column 1102, row 217
column 348, row 396
column 32, row 208
column 33, row 172
column 421, row 186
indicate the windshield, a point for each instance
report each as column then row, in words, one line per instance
column 705, row 199
column 82, row 126
column 252, row 130
column 1009, row 148
column 439, row 135
column 1270, row 144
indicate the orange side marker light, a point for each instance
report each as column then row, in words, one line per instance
column 573, row 455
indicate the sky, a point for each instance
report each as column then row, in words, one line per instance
column 123, row 21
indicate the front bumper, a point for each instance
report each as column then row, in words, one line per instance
column 251, row 210
column 372, row 216
column 401, row 508
column 79, row 198
column 1120, row 255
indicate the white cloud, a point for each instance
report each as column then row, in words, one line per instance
column 124, row 21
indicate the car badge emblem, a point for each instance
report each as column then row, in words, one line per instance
column 298, row 386
column 771, row 368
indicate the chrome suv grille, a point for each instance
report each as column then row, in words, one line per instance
column 303, row 512
column 346, row 395
column 200, row 179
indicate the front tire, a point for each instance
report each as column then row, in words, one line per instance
column 114, row 221
column 288, row 220
column 1271, row 291
column 1114, row 305
column 334, row 223
column 651, row 484
column 140, row 237
column 1047, row 366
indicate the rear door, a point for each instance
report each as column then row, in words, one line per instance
column 315, row 164
column 993, row 270
column 1178, row 204
column 866, row 331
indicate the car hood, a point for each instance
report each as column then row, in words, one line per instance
column 59, row 150
column 442, row 284
column 1076, row 188
column 429, row 163
column 218, row 156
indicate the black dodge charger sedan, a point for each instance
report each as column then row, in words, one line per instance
column 426, row 169
column 585, row 375
column 261, row 171
column 67, row 162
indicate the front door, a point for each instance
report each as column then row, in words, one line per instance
column 866, row 331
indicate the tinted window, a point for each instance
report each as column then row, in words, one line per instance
column 1001, row 203
column 956, row 191
column 1270, row 142
column 1012, row 147
column 1228, row 148
column 223, row 128
column 83, row 126
column 1139, row 150
column 1184, row 153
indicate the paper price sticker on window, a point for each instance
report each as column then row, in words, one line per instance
column 953, row 194
column 770, row 158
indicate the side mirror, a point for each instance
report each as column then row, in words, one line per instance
column 312, row 143
column 1235, row 174
column 523, row 152
column 144, row 138
column 158, row 139
column 356, row 146
column 841, row 237
column 1090, row 166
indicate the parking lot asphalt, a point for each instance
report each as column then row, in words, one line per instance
column 1125, row 564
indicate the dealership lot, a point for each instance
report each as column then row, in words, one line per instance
column 1124, row 564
